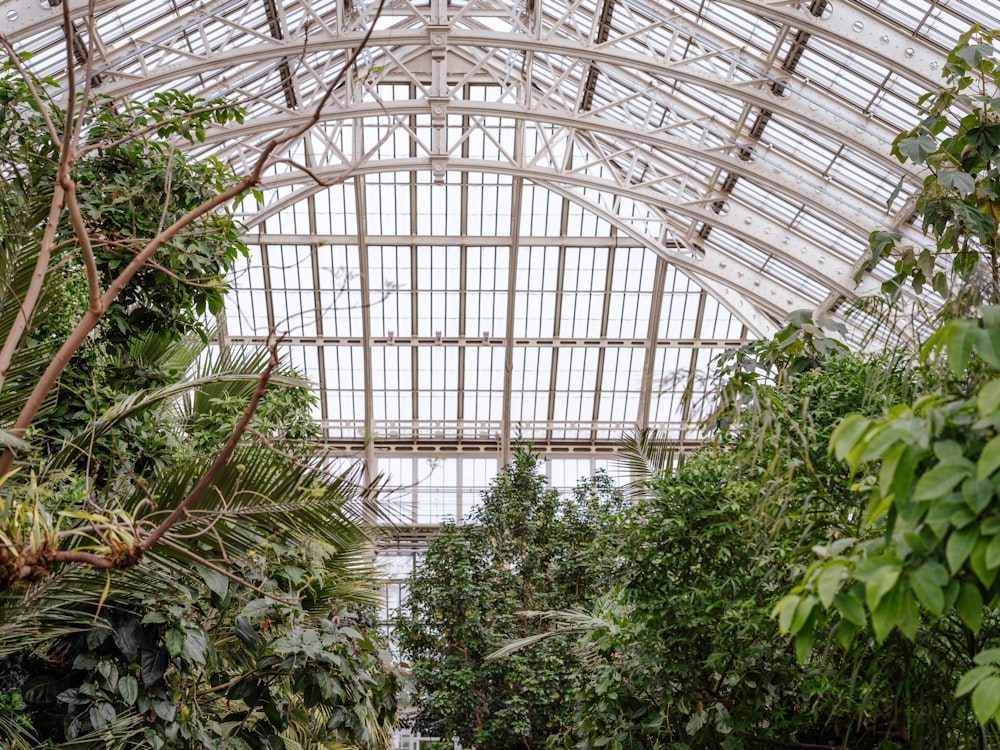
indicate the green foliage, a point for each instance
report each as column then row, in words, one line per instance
column 929, row 554
column 217, row 665
column 131, row 182
column 958, row 141
column 686, row 655
column 526, row 548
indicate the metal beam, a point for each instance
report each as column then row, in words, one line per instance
column 506, row 425
column 491, row 341
column 771, row 169
column 860, row 30
column 769, row 293
column 799, row 101
column 652, row 344
column 25, row 18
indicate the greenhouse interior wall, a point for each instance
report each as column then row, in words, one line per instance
column 477, row 225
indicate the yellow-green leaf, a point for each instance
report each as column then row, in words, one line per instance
column 986, row 699
column 989, row 459
column 829, row 582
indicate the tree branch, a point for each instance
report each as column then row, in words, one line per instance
column 91, row 318
column 232, row 577
column 221, row 460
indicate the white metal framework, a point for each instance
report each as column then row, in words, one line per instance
column 534, row 217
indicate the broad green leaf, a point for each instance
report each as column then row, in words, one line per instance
column 929, row 590
column 915, row 148
column 987, row 656
column 909, row 615
column 958, row 337
column 880, row 582
column 845, row 632
column 128, row 689
column 993, row 552
column 963, row 182
column 195, row 645
column 973, row 54
column 784, row 610
column 101, row 714
column 216, row 582
column 978, row 494
column 940, row 480
column 986, row 699
column 850, row 608
column 847, row 435
column 972, row 678
column 804, row 639
column 879, row 506
column 989, row 459
column 988, row 345
column 990, row 315
column 977, row 561
column 803, row 613
column 896, row 475
column 887, row 614
column 959, row 546
column 969, row 605
column 175, row 642
column 984, row 139
column 988, row 400
column 829, row 582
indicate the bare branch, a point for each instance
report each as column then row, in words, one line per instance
column 222, row 459
column 27, row 307
column 219, row 569
column 29, row 82
column 80, row 230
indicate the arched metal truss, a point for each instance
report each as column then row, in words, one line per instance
column 653, row 181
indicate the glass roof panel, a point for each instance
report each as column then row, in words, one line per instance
column 536, row 218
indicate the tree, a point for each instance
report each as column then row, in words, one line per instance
column 685, row 653
column 170, row 574
column 927, row 561
column 525, row 548
column 958, row 142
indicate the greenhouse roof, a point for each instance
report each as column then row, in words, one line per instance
column 534, row 218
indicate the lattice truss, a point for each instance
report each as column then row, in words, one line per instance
column 537, row 218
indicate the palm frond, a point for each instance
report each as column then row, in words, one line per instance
column 258, row 499
column 238, row 384
column 645, row 455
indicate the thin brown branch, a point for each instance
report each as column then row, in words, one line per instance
column 29, row 82
column 89, row 260
column 98, row 561
column 91, row 318
column 231, row 576
column 27, row 306
column 222, row 459
column 168, row 185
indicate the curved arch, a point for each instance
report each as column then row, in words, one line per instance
column 799, row 101
column 768, row 169
column 770, row 295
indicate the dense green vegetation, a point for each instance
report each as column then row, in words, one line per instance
column 526, row 548
column 845, row 498
column 177, row 567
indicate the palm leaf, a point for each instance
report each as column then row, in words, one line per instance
column 645, row 455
